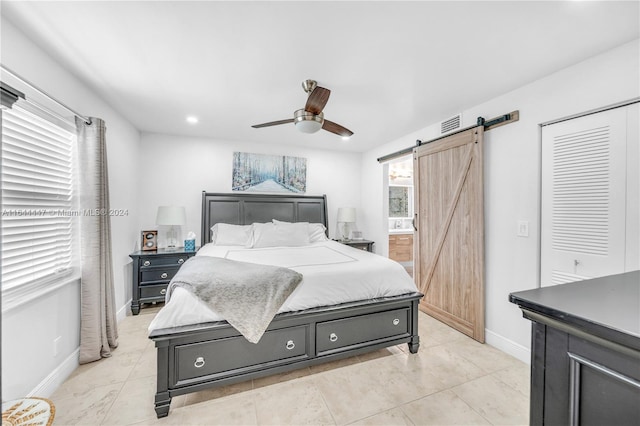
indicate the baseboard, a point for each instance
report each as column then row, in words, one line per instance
column 48, row 386
column 122, row 312
column 508, row 346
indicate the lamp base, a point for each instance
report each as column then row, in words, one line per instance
column 346, row 227
column 172, row 238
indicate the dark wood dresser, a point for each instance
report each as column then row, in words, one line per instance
column 585, row 351
column 152, row 271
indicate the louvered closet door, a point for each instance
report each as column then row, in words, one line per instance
column 449, row 241
column 583, row 197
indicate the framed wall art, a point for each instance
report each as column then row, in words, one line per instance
column 269, row 173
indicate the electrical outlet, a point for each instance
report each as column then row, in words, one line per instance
column 56, row 345
column 523, row 228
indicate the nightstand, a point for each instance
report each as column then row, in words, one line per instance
column 359, row 244
column 152, row 271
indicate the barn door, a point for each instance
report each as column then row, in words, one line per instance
column 449, row 241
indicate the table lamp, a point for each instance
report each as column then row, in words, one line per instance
column 346, row 216
column 171, row 216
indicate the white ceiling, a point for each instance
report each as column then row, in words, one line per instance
column 392, row 67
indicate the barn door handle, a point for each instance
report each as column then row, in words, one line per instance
column 413, row 221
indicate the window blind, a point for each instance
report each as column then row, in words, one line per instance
column 37, row 198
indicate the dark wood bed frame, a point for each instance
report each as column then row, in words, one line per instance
column 197, row 357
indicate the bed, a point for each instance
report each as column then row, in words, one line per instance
column 206, row 351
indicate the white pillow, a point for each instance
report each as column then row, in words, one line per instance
column 316, row 231
column 225, row 234
column 282, row 235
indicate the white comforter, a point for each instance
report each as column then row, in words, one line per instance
column 333, row 273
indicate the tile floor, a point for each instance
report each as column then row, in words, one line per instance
column 452, row 380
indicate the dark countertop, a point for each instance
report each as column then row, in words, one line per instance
column 608, row 307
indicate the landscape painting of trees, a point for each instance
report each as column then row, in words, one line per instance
column 269, row 173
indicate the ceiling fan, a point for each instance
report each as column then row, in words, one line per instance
column 310, row 119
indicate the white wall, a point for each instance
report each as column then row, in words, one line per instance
column 512, row 176
column 178, row 168
column 28, row 330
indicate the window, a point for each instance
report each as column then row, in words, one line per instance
column 37, row 197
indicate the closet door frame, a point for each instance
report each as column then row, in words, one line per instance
column 626, row 261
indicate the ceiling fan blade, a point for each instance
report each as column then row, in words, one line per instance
column 317, row 100
column 273, row 123
column 332, row 127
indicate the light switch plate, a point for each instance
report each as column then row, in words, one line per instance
column 523, row 228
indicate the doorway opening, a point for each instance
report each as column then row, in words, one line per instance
column 400, row 208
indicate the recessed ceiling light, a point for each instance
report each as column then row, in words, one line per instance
column 192, row 119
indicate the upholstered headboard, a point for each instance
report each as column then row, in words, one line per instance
column 245, row 209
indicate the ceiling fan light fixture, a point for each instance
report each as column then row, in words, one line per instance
column 310, row 119
column 307, row 122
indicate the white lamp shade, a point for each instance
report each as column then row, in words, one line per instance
column 346, row 214
column 171, row 215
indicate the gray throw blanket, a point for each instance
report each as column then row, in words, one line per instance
column 247, row 295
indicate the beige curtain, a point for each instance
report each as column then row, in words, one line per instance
column 98, row 325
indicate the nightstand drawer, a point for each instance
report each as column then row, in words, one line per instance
column 158, row 274
column 153, row 291
column 176, row 260
column 366, row 245
column 363, row 246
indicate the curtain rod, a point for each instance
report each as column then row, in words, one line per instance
column 37, row 89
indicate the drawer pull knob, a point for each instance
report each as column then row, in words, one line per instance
column 163, row 291
column 146, row 263
column 396, row 321
column 164, row 275
column 199, row 362
column 333, row 337
column 180, row 261
column 290, row 345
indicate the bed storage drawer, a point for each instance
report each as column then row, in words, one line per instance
column 342, row 334
column 223, row 356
